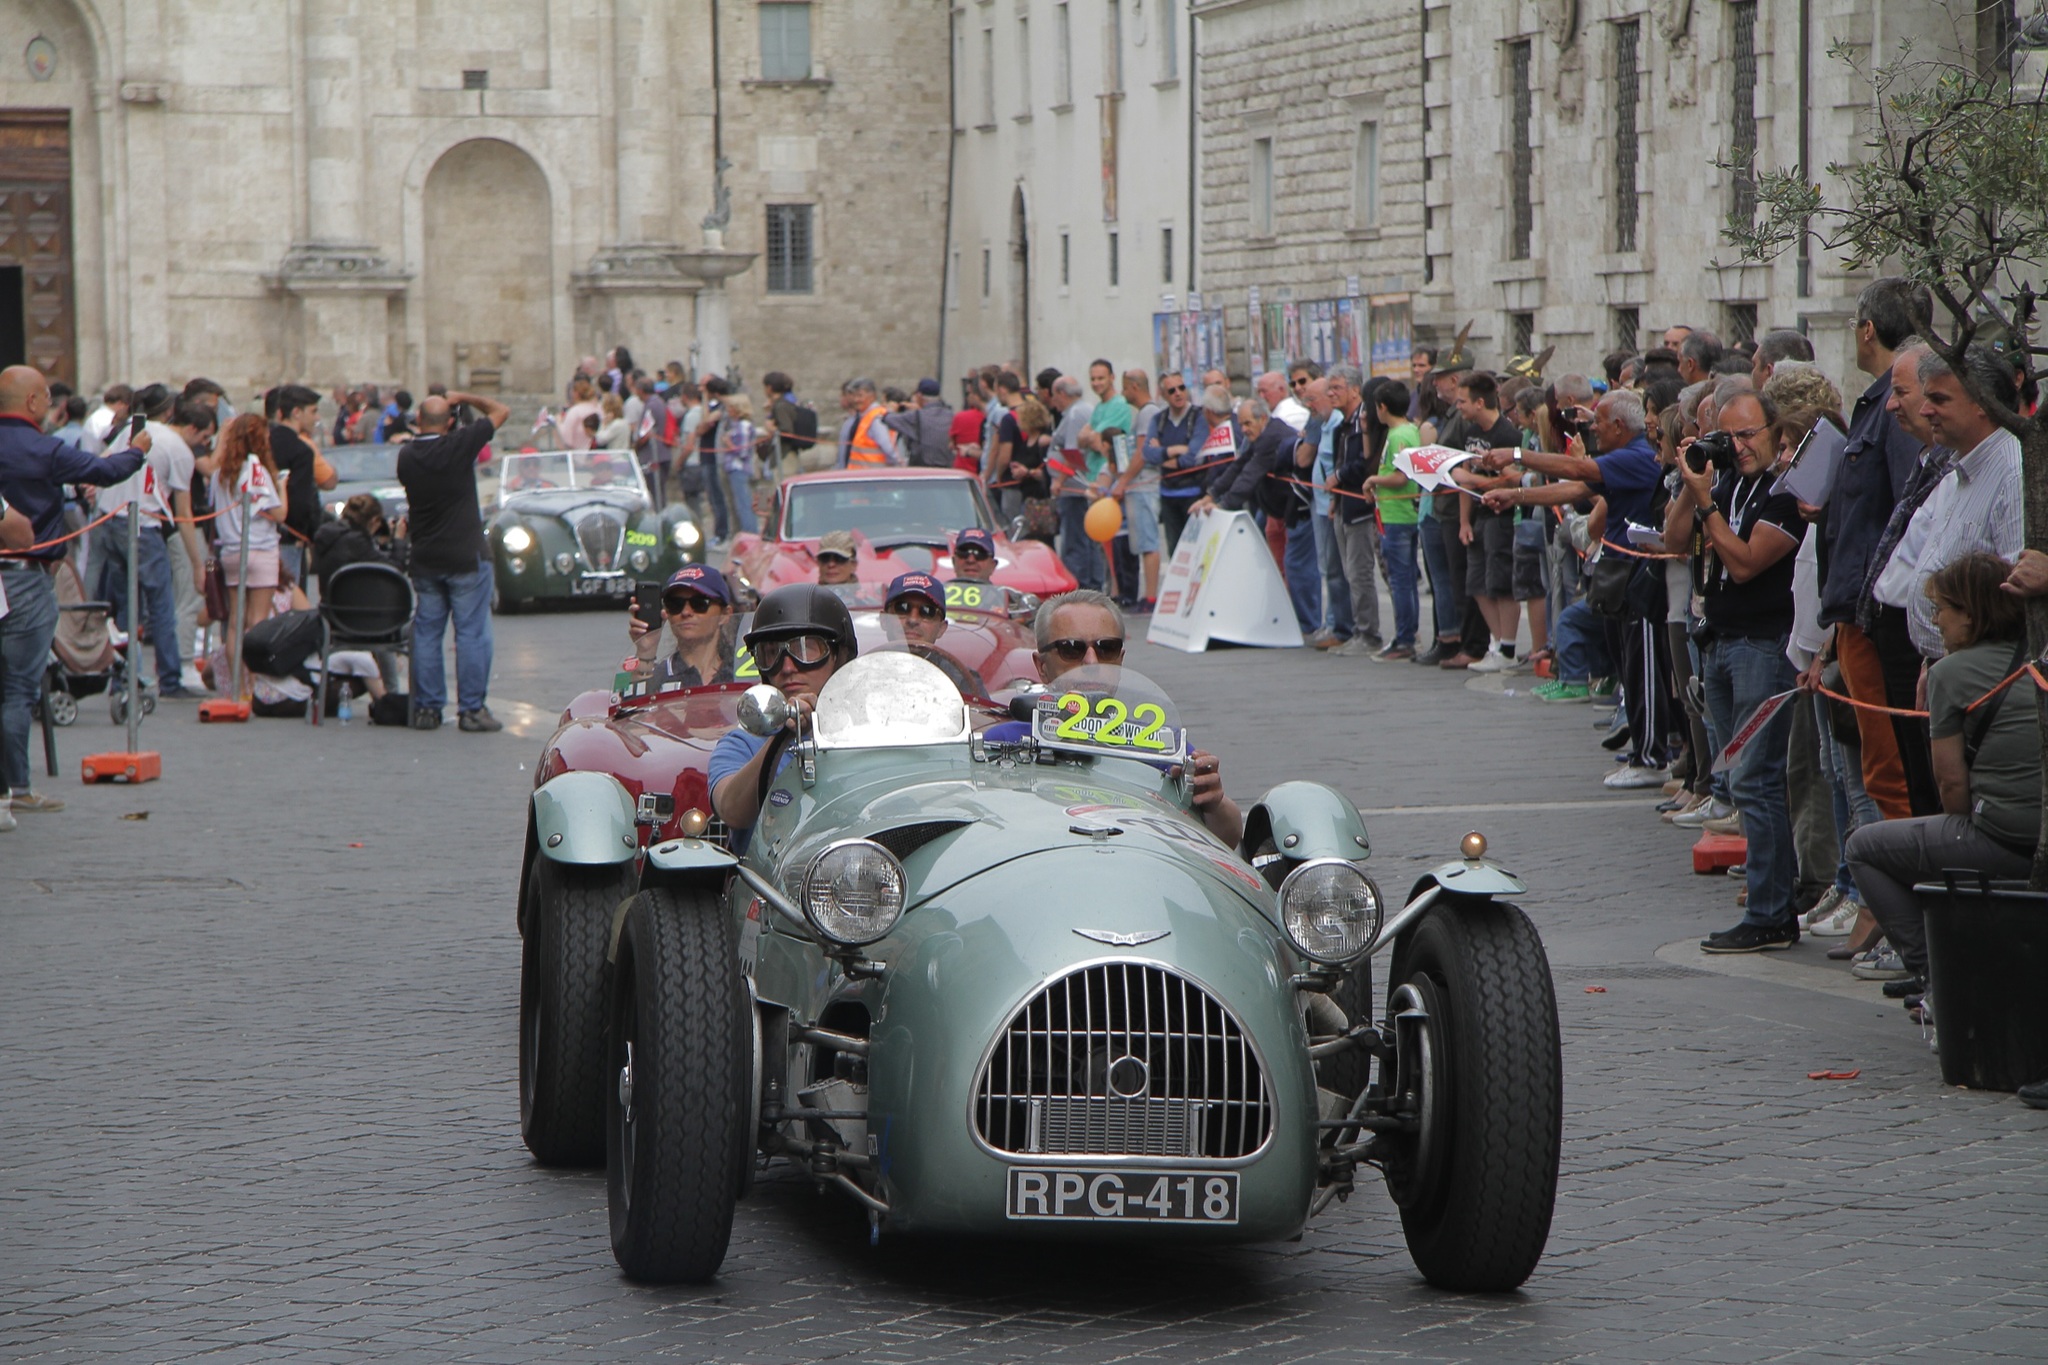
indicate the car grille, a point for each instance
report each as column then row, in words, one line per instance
column 601, row 538
column 1124, row 1059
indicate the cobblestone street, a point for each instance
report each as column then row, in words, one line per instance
column 261, row 1094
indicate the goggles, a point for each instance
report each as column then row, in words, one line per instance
column 805, row 651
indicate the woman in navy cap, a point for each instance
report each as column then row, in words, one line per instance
column 698, row 605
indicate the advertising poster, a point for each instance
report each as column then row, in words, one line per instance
column 1255, row 335
column 1290, row 333
column 1393, row 334
column 1351, row 314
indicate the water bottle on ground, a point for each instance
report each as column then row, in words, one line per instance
column 344, row 712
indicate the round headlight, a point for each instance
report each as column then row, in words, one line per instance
column 516, row 565
column 1330, row 910
column 518, row 540
column 853, row 892
column 638, row 559
column 685, row 535
column 564, row 562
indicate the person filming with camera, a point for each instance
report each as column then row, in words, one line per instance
column 1742, row 538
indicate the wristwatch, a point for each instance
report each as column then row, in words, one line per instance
column 1702, row 515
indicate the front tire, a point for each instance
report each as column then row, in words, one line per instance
column 677, row 1136
column 562, row 1009
column 1477, row 1193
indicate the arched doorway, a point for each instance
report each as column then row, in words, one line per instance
column 488, row 283
column 1020, row 281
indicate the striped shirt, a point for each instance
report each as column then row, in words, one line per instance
column 1978, row 506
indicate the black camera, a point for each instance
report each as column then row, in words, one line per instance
column 1716, row 448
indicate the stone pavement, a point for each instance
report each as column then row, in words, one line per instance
column 260, row 1098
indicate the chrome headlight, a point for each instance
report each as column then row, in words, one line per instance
column 853, row 892
column 518, row 540
column 685, row 535
column 516, row 565
column 564, row 562
column 638, row 559
column 1330, row 910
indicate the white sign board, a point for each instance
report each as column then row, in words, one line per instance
column 1223, row 585
column 1431, row 466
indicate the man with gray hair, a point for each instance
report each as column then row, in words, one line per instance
column 1777, row 346
column 873, row 445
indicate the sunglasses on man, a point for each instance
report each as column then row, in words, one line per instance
column 970, row 552
column 1107, row 651
column 1170, row 392
column 807, row 652
column 923, row 611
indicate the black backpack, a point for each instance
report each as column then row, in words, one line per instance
column 277, row 646
column 803, row 428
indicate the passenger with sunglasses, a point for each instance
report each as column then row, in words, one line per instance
column 839, row 564
column 698, row 607
column 974, row 561
column 802, row 635
column 917, row 603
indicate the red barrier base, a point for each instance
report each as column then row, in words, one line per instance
column 218, row 709
column 1718, row 852
column 142, row 767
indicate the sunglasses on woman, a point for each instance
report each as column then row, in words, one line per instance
column 828, row 557
column 805, row 651
column 923, row 611
column 1074, row 651
column 683, row 602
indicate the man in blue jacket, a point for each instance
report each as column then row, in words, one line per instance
column 34, row 468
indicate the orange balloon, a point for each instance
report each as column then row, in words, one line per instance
column 1105, row 519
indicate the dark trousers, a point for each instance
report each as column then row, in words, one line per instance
column 1173, row 520
column 1646, row 691
column 1900, row 663
column 1456, row 552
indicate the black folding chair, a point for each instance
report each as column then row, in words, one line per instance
column 367, row 605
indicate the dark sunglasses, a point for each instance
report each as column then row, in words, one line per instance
column 682, row 602
column 970, row 552
column 1074, row 651
column 1177, row 388
column 1302, row 381
column 805, row 651
column 830, row 557
column 924, row 611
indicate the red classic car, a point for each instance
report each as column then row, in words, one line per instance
column 901, row 519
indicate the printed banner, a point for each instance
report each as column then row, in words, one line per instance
column 1752, row 726
column 1431, row 466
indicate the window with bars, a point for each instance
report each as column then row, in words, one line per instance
column 1628, row 92
column 1522, row 333
column 1066, row 260
column 1742, row 112
column 1023, row 66
column 1166, row 255
column 1115, row 266
column 1738, row 322
column 1628, row 328
column 1113, row 48
column 988, row 77
column 790, row 256
column 1365, row 176
column 1521, row 167
column 785, row 41
column 987, row 270
column 1063, row 55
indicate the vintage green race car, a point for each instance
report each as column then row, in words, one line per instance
column 996, row 978
column 576, row 525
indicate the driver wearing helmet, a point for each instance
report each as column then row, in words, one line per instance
column 802, row 635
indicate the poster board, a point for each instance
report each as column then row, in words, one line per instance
column 1188, row 341
column 1393, row 335
column 1222, row 584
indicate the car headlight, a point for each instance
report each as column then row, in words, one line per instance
column 1330, row 910
column 564, row 561
column 516, row 565
column 518, row 540
column 853, row 892
column 638, row 559
column 685, row 535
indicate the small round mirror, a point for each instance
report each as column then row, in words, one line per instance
column 763, row 710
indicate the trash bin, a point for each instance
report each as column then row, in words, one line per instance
column 1987, row 962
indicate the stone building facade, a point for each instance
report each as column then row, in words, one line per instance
column 474, row 191
column 1071, row 202
column 1579, row 166
column 1311, row 155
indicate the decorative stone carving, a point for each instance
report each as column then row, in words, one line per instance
column 1681, row 67
column 1561, row 21
column 1674, row 19
column 1569, row 89
column 321, row 266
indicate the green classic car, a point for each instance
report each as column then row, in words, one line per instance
column 987, row 973
column 571, row 525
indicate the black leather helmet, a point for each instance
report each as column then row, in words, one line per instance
column 805, row 609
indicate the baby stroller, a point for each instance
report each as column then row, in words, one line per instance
column 84, row 661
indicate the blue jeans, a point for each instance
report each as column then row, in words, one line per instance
column 1397, row 547
column 737, row 482
column 1336, row 592
column 1579, row 641
column 1082, row 556
column 714, row 489
column 467, row 598
column 1443, row 594
column 25, row 634
column 159, row 601
column 1737, row 675
column 1304, row 577
column 1853, row 807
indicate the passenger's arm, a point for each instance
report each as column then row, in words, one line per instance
column 1951, row 776
column 1218, row 812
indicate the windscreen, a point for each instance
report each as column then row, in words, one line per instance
column 932, row 509
column 888, row 700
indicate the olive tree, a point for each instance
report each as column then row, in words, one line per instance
column 1952, row 190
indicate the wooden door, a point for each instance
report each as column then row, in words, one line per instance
column 35, row 233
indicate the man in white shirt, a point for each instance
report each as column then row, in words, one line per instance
column 1285, row 407
column 162, row 490
column 1978, row 505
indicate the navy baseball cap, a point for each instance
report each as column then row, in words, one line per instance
column 700, row 578
column 978, row 538
column 928, row 387
column 916, row 584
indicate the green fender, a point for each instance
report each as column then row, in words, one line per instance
column 585, row 817
column 687, row 856
column 1471, row 878
column 1306, row 820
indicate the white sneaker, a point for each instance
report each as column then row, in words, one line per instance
column 1493, row 661
column 1837, row 923
column 6, row 815
column 1700, row 814
column 1822, row 908
column 1623, row 779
